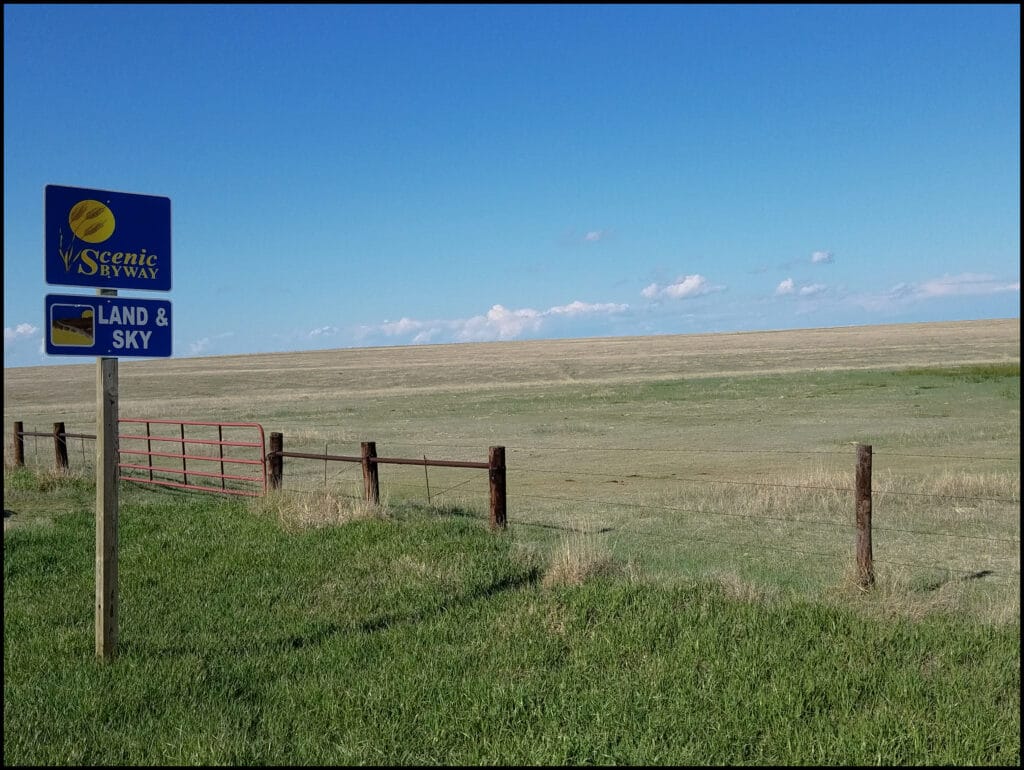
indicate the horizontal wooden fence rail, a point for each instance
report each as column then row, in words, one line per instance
column 369, row 460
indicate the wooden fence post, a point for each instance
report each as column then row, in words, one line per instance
column 496, row 475
column 862, row 498
column 371, row 480
column 275, row 463
column 19, row 444
column 60, row 446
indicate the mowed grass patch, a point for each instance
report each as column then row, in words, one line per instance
column 254, row 633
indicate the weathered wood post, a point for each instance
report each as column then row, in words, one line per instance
column 107, row 505
column 496, row 475
column 275, row 462
column 60, row 446
column 19, row 444
column 371, row 480
column 862, row 499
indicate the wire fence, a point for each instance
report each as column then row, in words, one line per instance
column 643, row 500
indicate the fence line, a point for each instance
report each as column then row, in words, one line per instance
column 370, row 462
column 763, row 484
column 784, row 519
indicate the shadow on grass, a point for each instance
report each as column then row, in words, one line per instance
column 565, row 528
column 487, row 592
column 324, row 632
column 318, row 633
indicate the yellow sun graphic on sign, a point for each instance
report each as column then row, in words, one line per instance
column 91, row 221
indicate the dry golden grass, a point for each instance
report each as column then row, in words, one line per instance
column 316, row 509
column 336, row 382
column 580, row 557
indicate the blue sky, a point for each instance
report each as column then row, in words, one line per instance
column 366, row 175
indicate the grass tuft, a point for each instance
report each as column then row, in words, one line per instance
column 316, row 509
column 579, row 558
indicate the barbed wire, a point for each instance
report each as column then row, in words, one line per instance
column 886, row 453
column 675, row 509
column 687, row 450
column 764, row 547
column 785, row 519
column 690, row 479
column 951, row 569
column 694, row 450
column 944, row 497
column 678, row 478
column 730, row 543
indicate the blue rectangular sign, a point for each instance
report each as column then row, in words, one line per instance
column 105, row 239
column 107, row 326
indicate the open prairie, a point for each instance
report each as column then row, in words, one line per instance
column 724, row 454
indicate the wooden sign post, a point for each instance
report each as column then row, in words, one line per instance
column 106, row 503
column 107, row 240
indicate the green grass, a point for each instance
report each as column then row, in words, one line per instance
column 747, row 477
column 258, row 633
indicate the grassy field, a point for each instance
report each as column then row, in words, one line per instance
column 252, row 634
column 674, row 586
column 728, row 456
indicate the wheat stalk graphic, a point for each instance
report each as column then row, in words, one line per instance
column 77, row 212
column 67, row 255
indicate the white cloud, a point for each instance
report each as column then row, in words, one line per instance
column 576, row 307
column 498, row 323
column 965, row 284
column 204, row 344
column 962, row 285
column 819, row 257
column 595, row 235
column 324, row 331
column 810, row 291
column 21, row 331
column 401, row 326
column 789, row 287
column 687, row 286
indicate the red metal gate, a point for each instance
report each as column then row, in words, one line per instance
column 221, row 452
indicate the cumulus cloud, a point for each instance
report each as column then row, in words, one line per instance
column 324, row 331
column 788, row 287
column 687, row 286
column 811, row 290
column 784, row 287
column 400, row 327
column 819, row 257
column 501, row 323
column 498, row 323
column 21, row 331
column 595, row 235
column 582, row 308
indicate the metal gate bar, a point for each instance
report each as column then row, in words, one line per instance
column 257, row 457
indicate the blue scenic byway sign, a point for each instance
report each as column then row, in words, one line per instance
column 105, row 239
column 107, row 326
